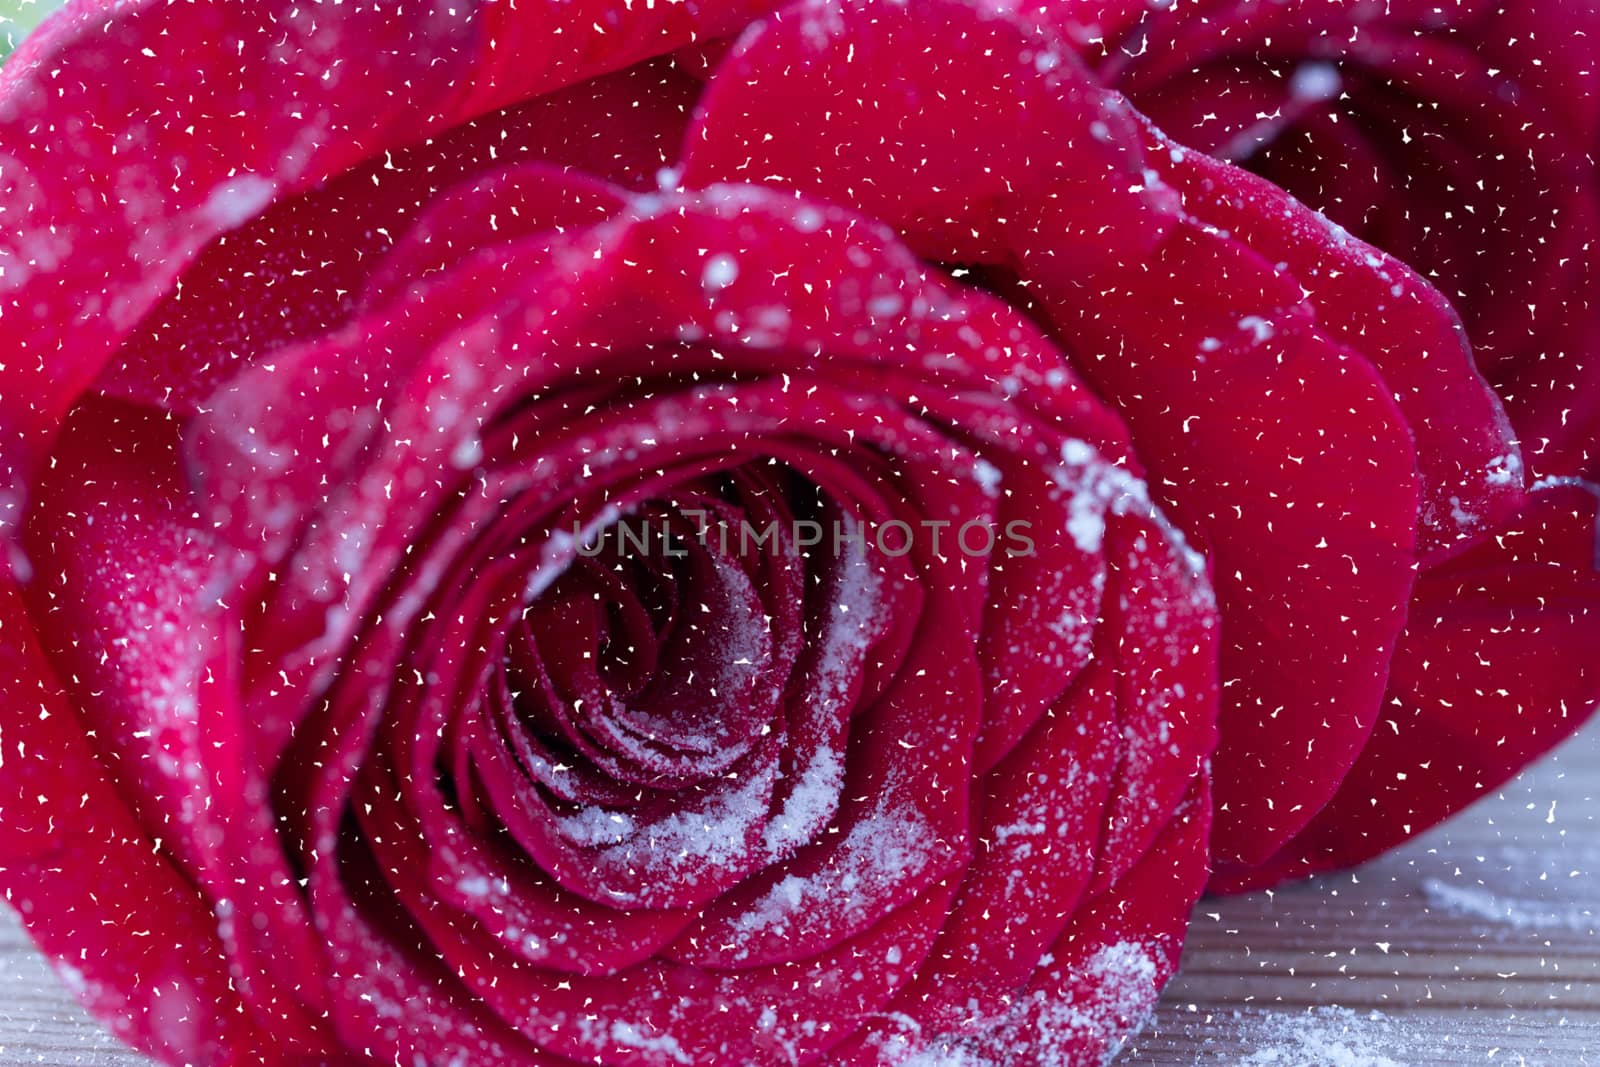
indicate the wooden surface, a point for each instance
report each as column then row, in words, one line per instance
column 1475, row 944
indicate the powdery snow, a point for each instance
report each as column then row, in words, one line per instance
column 1121, row 978
column 1521, row 914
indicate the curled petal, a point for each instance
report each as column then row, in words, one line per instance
column 1244, row 406
column 151, row 962
column 195, row 172
column 1495, row 668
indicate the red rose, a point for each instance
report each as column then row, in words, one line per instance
column 342, row 721
column 1459, row 137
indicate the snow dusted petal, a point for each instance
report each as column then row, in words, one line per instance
column 76, row 144
column 1495, row 668
column 1470, row 465
column 756, row 788
column 150, row 963
column 1163, row 616
column 112, row 516
column 1093, row 989
column 1457, row 137
column 305, row 262
column 1030, row 122
column 1083, row 799
column 1271, row 435
column 136, row 173
column 416, row 458
column 149, row 666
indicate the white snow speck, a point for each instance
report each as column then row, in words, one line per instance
column 1316, row 81
column 1481, row 903
column 238, row 200
column 720, row 272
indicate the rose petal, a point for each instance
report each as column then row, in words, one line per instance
column 304, row 264
column 1495, row 668
column 122, row 924
column 1458, row 138
column 149, row 660
column 1247, row 421
column 1470, row 466
column 1095, row 988
column 198, row 171
column 941, row 74
column 1211, row 354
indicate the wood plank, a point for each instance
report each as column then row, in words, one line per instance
column 1477, row 943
